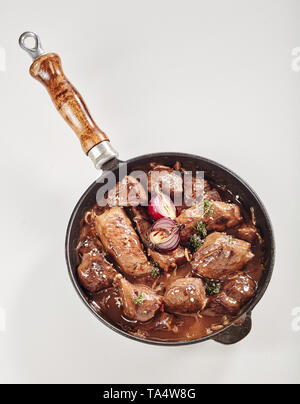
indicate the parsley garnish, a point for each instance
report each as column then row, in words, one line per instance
column 195, row 242
column 212, row 288
column 201, row 229
column 230, row 239
column 155, row 272
column 207, row 208
column 139, row 300
column 196, row 239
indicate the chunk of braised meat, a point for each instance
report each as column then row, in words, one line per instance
column 89, row 244
column 195, row 188
column 121, row 241
column 177, row 166
column 88, row 241
column 165, row 260
column 143, row 223
column 168, row 260
column 163, row 322
column 128, row 192
column 166, row 179
column 95, row 272
column 216, row 215
column 185, row 295
column 199, row 191
column 212, row 195
column 247, row 232
column 139, row 302
column 221, row 215
column 237, row 290
column 221, row 254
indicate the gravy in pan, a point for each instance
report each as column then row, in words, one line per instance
column 167, row 326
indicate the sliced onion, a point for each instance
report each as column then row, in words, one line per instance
column 161, row 206
column 165, row 235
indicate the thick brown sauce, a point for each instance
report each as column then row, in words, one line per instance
column 188, row 327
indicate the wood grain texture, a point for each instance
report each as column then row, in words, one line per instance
column 48, row 70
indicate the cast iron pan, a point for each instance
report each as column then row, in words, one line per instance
column 47, row 69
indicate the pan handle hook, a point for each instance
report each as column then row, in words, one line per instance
column 37, row 50
column 236, row 332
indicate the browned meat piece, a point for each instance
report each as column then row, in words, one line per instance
column 89, row 244
column 121, row 241
column 143, row 223
column 189, row 218
column 222, row 216
column 212, row 195
column 247, row 232
column 221, row 254
column 88, row 241
column 207, row 187
column 177, row 166
column 95, row 272
column 166, row 321
column 194, row 190
column 163, row 322
column 128, row 192
column 240, row 286
column 216, row 215
column 237, row 290
column 139, row 302
column 166, row 261
column 185, row 295
column 166, row 179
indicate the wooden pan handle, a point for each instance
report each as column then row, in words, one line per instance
column 47, row 69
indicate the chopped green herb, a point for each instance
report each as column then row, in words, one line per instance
column 139, row 300
column 207, row 207
column 230, row 239
column 201, row 229
column 155, row 272
column 195, row 242
column 212, row 288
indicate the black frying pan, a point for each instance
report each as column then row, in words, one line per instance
column 47, row 69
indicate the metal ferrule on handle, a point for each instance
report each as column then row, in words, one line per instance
column 102, row 153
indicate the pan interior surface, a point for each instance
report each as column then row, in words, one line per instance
column 213, row 172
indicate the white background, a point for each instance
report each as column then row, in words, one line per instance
column 212, row 78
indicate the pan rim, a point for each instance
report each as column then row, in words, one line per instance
column 248, row 309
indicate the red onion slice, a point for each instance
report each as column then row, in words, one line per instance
column 161, row 206
column 165, row 235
